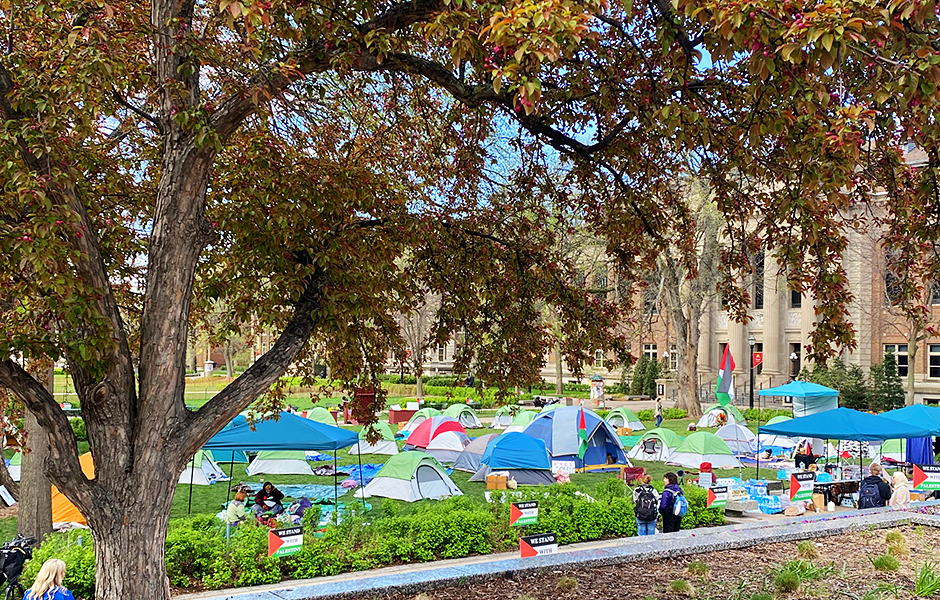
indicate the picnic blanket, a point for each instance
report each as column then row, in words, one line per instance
column 312, row 491
column 366, row 475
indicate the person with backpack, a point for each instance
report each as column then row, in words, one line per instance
column 874, row 491
column 645, row 501
column 672, row 504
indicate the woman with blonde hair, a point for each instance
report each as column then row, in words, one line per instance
column 901, row 496
column 48, row 584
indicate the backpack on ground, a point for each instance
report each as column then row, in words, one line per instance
column 869, row 496
column 680, row 506
column 645, row 508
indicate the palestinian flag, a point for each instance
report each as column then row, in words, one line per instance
column 724, row 389
column 583, row 434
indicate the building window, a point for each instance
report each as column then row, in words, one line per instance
column 649, row 351
column 933, row 352
column 673, row 358
column 441, row 353
column 599, row 359
column 600, row 282
column 796, row 299
column 900, row 357
column 759, row 281
column 935, row 293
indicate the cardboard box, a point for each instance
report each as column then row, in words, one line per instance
column 496, row 482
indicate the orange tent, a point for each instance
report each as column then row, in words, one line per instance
column 64, row 511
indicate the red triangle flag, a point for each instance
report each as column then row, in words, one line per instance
column 794, row 486
column 514, row 514
column 526, row 550
column 274, row 542
column 711, row 498
column 919, row 476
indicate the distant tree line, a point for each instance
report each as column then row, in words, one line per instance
column 880, row 391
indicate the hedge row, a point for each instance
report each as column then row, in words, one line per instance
column 197, row 555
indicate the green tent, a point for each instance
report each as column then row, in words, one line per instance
column 383, row 428
column 385, row 445
column 894, row 450
column 410, row 476
column 702, row 447
column 778, row 419
column 710, row 416
column 523, row 418
column 624, row 417
column 464, row 415
column 549, row 407
column 503, row 418
column 417, row 418
column 656, row 445
column 15, row 466
column 668, row 436
column 321, row 415
column 280, row 462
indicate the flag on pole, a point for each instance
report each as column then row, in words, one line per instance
column 724, row 389
column 583, row 434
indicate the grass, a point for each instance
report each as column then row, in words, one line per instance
column 885, row 562
column 682, row 587
column 787, row 581
column 927, row 583
column 698, row 568
column 566, row 584
column 762, row 596
column 807, row 549
column 894, row 537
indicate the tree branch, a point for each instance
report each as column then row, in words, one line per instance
column 222, row 408
column 140, row 113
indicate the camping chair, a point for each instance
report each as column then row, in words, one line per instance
column 649, row 446
column 628, row 474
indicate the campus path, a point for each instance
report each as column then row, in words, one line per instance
column 414, row 578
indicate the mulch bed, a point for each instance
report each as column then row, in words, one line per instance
column 731, row 574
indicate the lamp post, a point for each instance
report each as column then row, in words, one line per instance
column 751, row 341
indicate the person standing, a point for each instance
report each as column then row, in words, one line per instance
column 645, row 501
column 48, row 584
column 659, row 411
column 874, row 491
column 667, row 502
column 901, row 496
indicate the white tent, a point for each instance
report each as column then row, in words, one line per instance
column 711, row 416
column 503, row 418
column 656, row 445
column 739, row 438
column 202, row 470
column 447, row 446
column 386, row 445
column 15, row 465
column 280, row 462
column 410, row 476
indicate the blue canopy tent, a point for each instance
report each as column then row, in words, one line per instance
column 287, row 432
column 918, row 450
column 234, row 456
column 808, row 398
column 846, row 424
column 559, row 430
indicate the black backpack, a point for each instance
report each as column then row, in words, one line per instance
column 646, row 509
column 869, row 496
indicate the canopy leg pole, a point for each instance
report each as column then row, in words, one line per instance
column 192, row 470
column 335, row 493
column 231, row 473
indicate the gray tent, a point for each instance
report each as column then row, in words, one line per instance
column 469, row 459
column 525, row 459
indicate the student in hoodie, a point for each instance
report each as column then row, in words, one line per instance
column 667, row 501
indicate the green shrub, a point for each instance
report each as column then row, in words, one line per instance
column 787, row 581
column 77, row 549
column 762, row 596
column 645, row 415
column 191, row 549
column 885, row 562
column 762, row 415
column 78, row 428
column 699, row 515
column 672, row 414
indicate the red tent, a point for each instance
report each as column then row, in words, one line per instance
column 431, row 428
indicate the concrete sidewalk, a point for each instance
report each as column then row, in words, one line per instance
column 414, row 578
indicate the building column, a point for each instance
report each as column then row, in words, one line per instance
column 736, row 343
column 774, row 345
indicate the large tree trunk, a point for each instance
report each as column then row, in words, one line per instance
column 130, row 536
column 227, row 357
column 419, row 386
column 559, row 370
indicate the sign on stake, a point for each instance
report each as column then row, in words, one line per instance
column 523, row 513
column 537, row 545
column 284, row 542
column 717, row 496
column 801, row 486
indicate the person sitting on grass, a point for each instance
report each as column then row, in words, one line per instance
column 48, row 584
column 235, row 512
column 268, row 500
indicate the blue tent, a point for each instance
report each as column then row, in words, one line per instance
column 918, row 415
column 559, row 430
column 808, row 398
column 288, row 432
column 224, row 456
column 845, row 424
column 516, row 450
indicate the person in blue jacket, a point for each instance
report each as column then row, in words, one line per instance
column 48, row 584
column 667, row 500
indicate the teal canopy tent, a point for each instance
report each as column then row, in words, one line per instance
column 808, row 398
column 918, row 415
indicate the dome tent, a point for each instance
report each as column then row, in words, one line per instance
column 280, row 462
column 624, row 417
column 525, row 458
column 465, row 415
column 321, row 415
column 418, row 418
column 431, row 428
column 559, row 430
column 202, row 470
column 410, row 476
column 503, row 418
column 739, row 438
column 778, row 419
column 701, row 447
column 656, row 445
column 710, row 416
column 521, row 420
column 15, row 466
column 385, row 445
column 447, row 446
column 469, row 459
